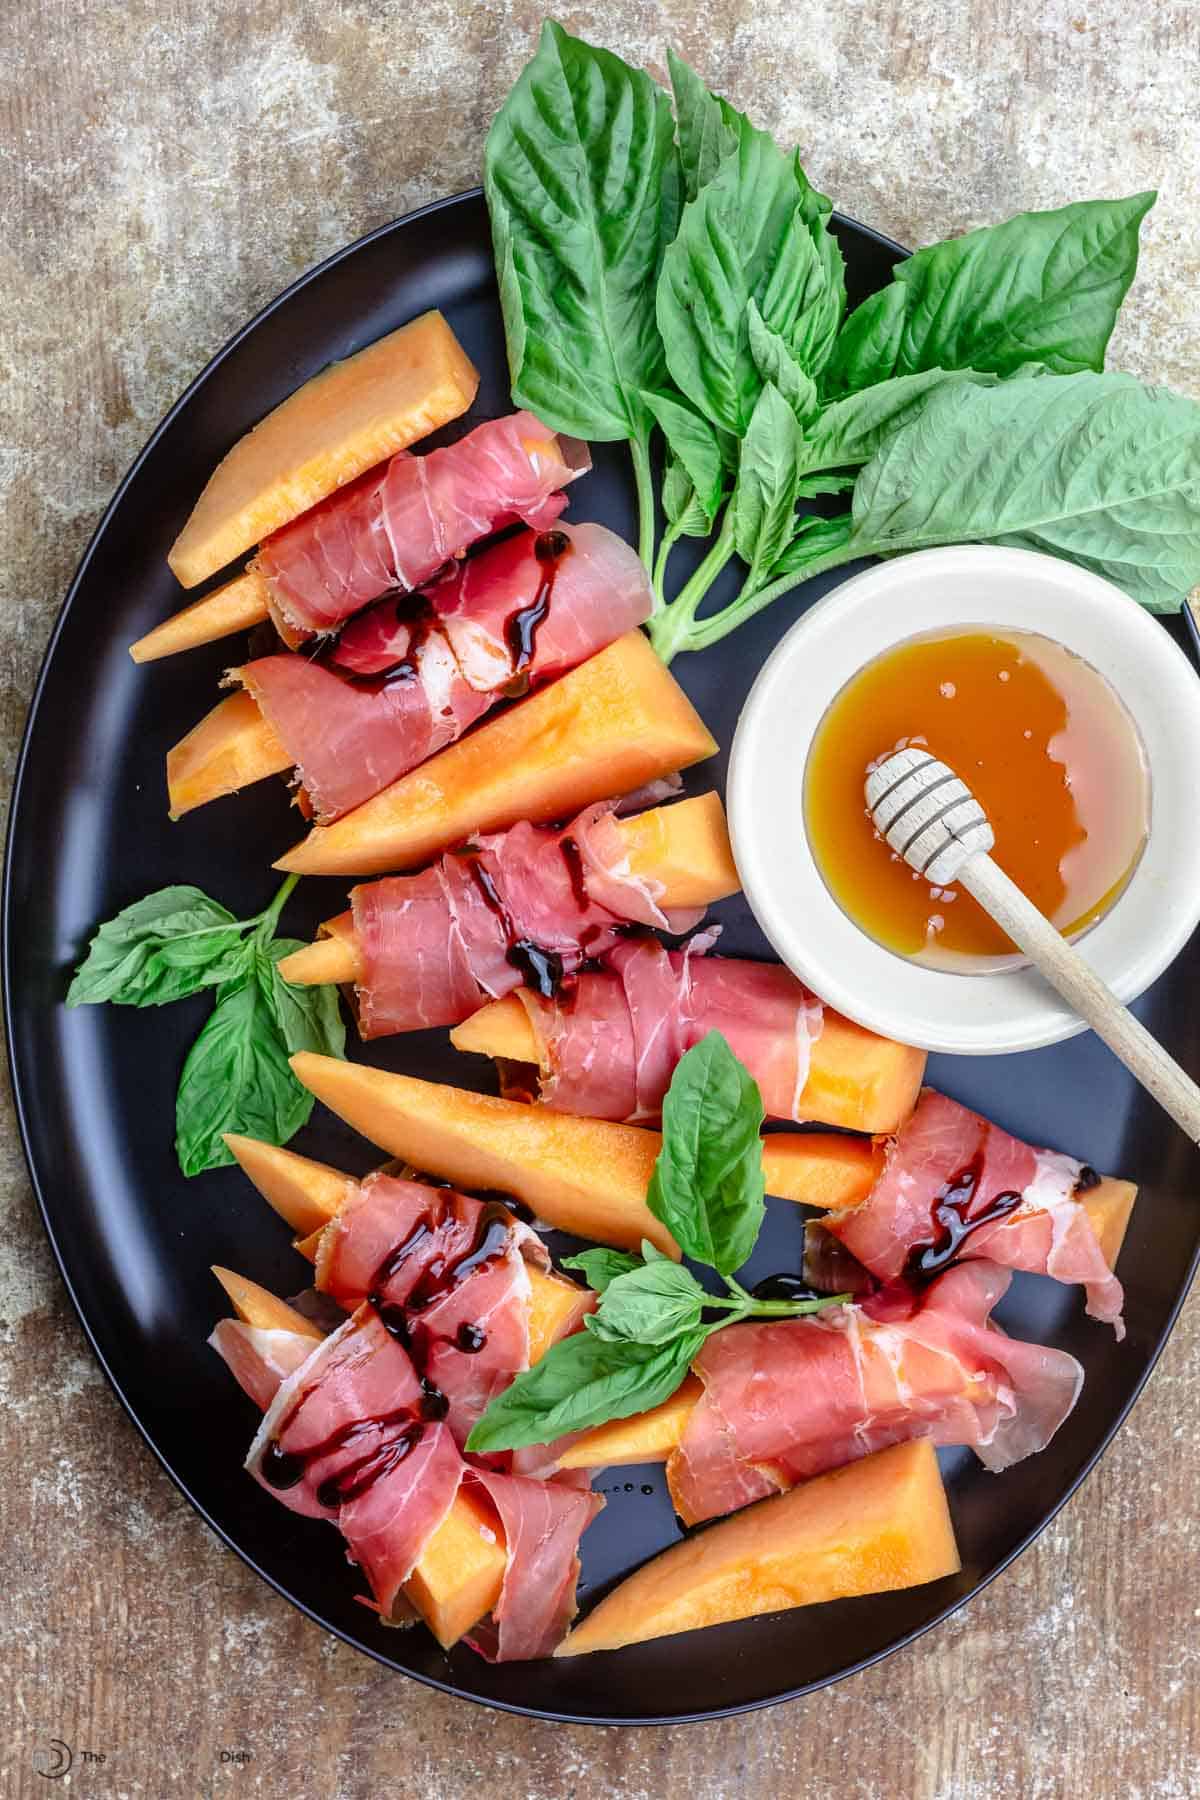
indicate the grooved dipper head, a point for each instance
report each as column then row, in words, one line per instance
column 927, row 815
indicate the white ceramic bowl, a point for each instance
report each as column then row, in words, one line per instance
column 971, row 585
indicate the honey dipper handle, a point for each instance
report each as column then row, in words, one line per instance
column 1083, row 990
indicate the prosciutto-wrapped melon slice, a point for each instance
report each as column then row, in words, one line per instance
column 355, row 1437
column 586, row 1176
column 391, row 529
column 527, row 904
column 408, row 677
column 613, row 724
column 956, row 1186
column 778, row 1403
column 610, row 1052
column 874, row 1526
column 459, row 1575
column 342, row 421
column 309, row 1196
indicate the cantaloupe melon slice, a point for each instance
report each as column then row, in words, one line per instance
column 346, row 419
column 617, row 721
column 855, row 1079
column 681, row 851
column 304, row 1193
column 644, row 1438
column 461, row 1569
column 333, row 958
column 873, row 1526
column 1108, row 1208
column 586, row 1176
column 239, row 605
column 231, row 746
column 257, row 1306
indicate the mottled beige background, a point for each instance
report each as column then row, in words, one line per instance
column 167, row 167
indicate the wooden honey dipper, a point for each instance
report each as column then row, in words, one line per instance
column 933, row 820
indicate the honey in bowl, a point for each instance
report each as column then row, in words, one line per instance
column 1046, row 746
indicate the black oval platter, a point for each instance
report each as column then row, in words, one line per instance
column 95, row 1087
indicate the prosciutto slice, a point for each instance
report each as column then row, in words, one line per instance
column 260, row 1359
column 449, row 1272
column 543, row 1523
column 612, row 1051
column 519, row 613
column 524, row 904
column 397, row 525
column 953, row 1184
column 786, row 1401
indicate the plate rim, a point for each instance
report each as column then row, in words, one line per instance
column 24, row 1130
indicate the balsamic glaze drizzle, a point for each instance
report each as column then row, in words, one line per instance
column 949, row 1214
column 540, row 969
column 521, row 626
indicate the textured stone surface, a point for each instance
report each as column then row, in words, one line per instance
column 164, row 170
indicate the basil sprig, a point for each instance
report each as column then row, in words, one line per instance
column 654, row 1315
column 693, row 287
column 236, row 1076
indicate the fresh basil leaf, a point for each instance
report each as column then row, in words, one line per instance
column 236, row 1078
column 815, row 540
column 776, row 362
column 309, row 1018
column 583, row 1381
column 650, row 1305
column 601, row 1267
column 694, row 444
column 764, row 501
column 708, row 128
column 868, row 345
column 680, row 504
column 832, row 481
column 851, row 430
column 1042, row 287
column 815, row 331
column 707, row 1187
column 744, row 237
column 582, row 181
column 168, row 945
column 1096, row 468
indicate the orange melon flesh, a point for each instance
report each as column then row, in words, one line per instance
column 305, row 1193
column 258, row 1307
column 617, row 721
column 333, row 958
column 682, row 850
column 461, row 1569
column 821, row 1168
column 239, row 605
column 586, row 1176
column 341, row 422
column 1108, row 1208
column 856, row 1080
column 873, row 1526
column 231, row 746
column 646, row 1437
